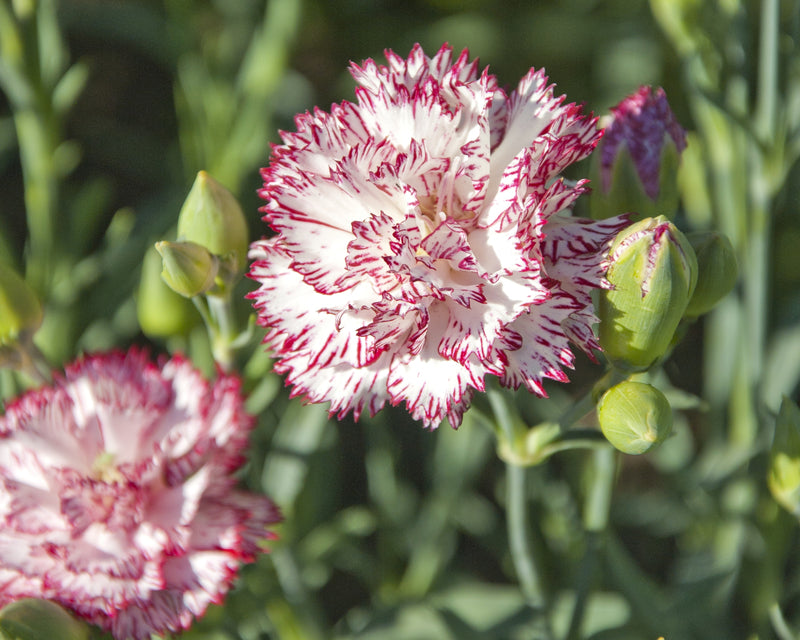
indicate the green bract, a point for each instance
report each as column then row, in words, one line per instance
column 211, row 217
column 161, row 312
column 717, row 270
column 634, row 416
column 653, row 273
column 189, row 269
column 784, row 460
column 627, row 193
column 32, row 619
column 20, row 310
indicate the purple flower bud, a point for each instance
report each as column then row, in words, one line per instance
column 638, row 157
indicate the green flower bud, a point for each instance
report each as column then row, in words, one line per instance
column 634, row 416
column 189, row 269
column 40, row 620
column 161, row 312
column 20, row 310
column 653, row 273
column 211, row 217
column 717, row 270
column 783, row 477
column 635, row 166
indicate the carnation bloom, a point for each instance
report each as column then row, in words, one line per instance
column 423, row 240
column 117, row 498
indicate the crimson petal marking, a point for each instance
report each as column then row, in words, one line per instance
column 472, row 332
column 299, row 326
column 578, row 328
column 347, row 388
column 367, row 252
column 545, row 349
column 449, row 242
column 505, row 207
column 413, row 115
column 415, row 69
column 400, row 324
column 316, row 222
column 575, row 251
column 434, row 388
column 531, row 109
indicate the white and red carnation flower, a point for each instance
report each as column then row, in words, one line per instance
column 117, row 498
column 423, row 240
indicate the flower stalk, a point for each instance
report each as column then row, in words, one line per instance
column 517, row 507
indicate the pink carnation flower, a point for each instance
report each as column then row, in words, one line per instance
column 117, row 497
column 423, row 240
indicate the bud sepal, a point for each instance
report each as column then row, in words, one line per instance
column 634, row 417
column 212, row 217
column 717, row 271
column 189, row 269
column 783, row 476
column 652, row 274
column 20, row 310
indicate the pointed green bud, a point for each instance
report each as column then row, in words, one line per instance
column 161, row 312
column 653, row 273
column 188, row 268
column 784, row 459
column 34, row 619
column 635, row 166
column 20, row 309
column 211, row 217
column 634, row 416
column 717, row 270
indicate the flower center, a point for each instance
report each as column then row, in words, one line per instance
column 105, row 497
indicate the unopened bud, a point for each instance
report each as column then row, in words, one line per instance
column 653, row 274
column 717, row 270
column 34, row 619
column 634, row 416
column 161, row 312
column 784, row 460
column 20, row 309
column 212, row 217
column 189, row 269
column 636, row 163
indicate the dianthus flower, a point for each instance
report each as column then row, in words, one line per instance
column 423, row 240
column 117, row 498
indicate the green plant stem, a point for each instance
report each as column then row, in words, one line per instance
column 595, row 518
column 519, row 531
column 38, row 134
column 763, row 184
column 519, row 535
column 217, row 314
column 779, row 623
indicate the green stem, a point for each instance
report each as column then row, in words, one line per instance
column 779, row 623
column 767, row 96
column 38, row 134
column 519, row 535
column 217, row 314
column 519, row 530
column 763, row 185
column 595, row 518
